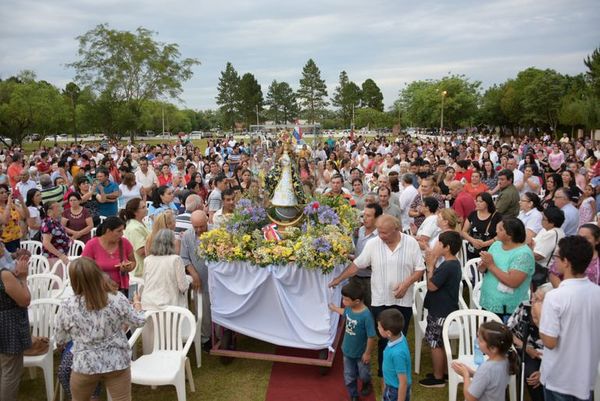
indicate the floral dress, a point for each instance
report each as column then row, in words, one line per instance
column 60, row 239
column 99, row 341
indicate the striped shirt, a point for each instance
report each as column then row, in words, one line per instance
column 390, row 268
column 54, row 194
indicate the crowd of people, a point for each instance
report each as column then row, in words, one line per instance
column 525, row 206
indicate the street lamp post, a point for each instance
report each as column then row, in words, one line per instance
column 444, row 93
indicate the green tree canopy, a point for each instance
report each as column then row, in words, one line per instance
column 281, row 100
column 371, row 95
column 251, row 98
column 130, row 68
column 228, row 97
column 346, row 97
column 28, row 106
column 313, row 91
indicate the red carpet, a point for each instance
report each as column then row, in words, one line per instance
column 291, row 382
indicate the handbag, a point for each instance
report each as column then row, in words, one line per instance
column 470, row 246
column 39, row 346
column 540, row 274
column 123, row 282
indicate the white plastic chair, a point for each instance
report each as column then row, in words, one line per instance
column 420, row 319
column 93, row 232
column 41, row 318
column 471, row 276
column 64, row 269
column 38, row 264
column 168, row 363
column 45, row 285
column 34, row 247
column 468, row 322
column 476, row 296
column 76, row 248
column 102, row 218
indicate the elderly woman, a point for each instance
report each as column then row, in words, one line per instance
column 480, row 227
column 534, row 346
column 591, row 232
column 165, row 282
column 55, row 238
column 530, row 214
column 15, row 336
column 508, row 267
column 94, row 318
column 112, row 253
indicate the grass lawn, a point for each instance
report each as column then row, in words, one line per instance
column 242, row 380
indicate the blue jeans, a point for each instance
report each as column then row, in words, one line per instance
column 391, row 393
column 550, row 395
column 355, row 368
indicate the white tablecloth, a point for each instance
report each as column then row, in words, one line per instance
column 283, row 305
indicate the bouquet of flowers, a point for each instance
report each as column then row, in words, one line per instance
column 247, row 217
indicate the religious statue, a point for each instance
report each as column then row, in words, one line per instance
column 285, row 189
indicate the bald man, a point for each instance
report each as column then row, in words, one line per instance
column 464, row 204
column 396, row 264
column 196, row 267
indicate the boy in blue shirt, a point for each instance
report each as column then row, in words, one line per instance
column 359, row 340
column 396, row 357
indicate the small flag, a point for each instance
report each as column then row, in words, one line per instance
column 297, row 134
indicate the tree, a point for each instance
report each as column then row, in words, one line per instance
column 251, row 98
column 371, row 95
column 71, row 94
column 421, row 101
column 313, row 91
column 592, row 62
column 228, row 97
column 28, row 106
column 371, row 118
column 490, row 112
column 130, row 68
column 347, row 96
column 282, row 102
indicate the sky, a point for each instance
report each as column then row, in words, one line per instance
column 394, row 42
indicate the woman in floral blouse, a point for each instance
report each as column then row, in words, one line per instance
column 55, row 239
column 94, row 318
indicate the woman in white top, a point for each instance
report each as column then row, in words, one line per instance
column 164, row 274
column 130, row 189
column 36, row 213
column 530, row 214
column 429, row 229
column 546, row 241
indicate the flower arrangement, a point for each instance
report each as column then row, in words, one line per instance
column 323, row 241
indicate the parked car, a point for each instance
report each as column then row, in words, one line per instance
column 6, row 140
column 61, row 137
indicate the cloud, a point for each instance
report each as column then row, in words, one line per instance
column 393, row 42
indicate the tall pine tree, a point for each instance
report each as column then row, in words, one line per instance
column 346, row 96
column 313, row 91
column 371, row 95
column 228, row 97
column 251, row 98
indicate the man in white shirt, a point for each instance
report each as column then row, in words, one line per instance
column 569, row 324
column 562, row 200
column 25, row 184
column 396, row 264
column 511, row 164
column 145, row 176
column 409, row 193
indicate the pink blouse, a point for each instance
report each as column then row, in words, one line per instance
column 107, row 262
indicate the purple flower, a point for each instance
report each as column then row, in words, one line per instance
column 327, row 215
column 321, row 245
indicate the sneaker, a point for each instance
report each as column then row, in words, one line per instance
column 367, row 388
column 432, row 382
column 431, row 376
